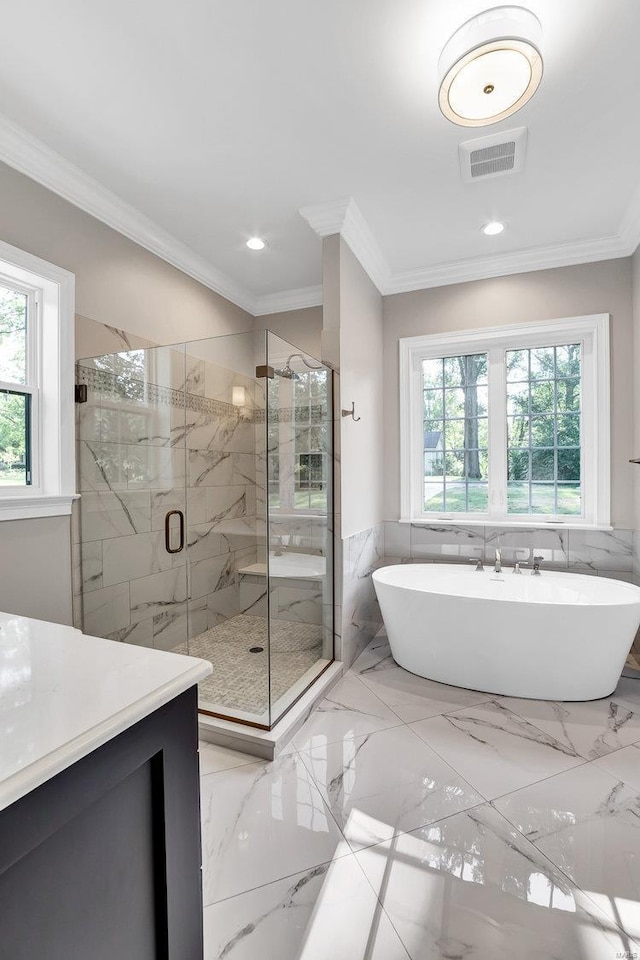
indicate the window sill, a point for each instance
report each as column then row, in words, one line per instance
column 30, row 508
column 507, row 524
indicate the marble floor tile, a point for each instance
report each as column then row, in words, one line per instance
column 623, row 765
column 214, row 758
column 262, row 822
column 495, row 750
column 376, row 656
column 369, row 805
column 351, row 710
column 412, row 697
column 627, row 693
column 588, row 824
column 591, row 729
column 472, row 888
column 328, row 911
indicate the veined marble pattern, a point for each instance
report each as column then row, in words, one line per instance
column 548, row 871
column 606, row 552
column 495, row 750
column 587, row 823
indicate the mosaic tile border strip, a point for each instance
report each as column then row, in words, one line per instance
column 120, row 387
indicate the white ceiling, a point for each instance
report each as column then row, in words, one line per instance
column 220, row 119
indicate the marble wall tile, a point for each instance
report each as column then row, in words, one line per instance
column 523, row 544
column 299, row 604
column 361, row 618
column 162, row 501
column 446, row 543
column 106, row 514
column 252, row 597
column 198, row 614
column 151, row 595
column 139, row 633
column 154, row 468
column 90, row 567
column 223, row 604
column 225, row 503
column 204, row 542
column 129, row 558
column 365, row 553
column 102, row 466
column 601, row 549
column 170, row 627
column 211, row 575
column 106, row 610
column 397, row 539
column 210, row 468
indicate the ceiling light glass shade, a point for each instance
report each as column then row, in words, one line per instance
column 491, row 67
column 255, row 243
column 493, row 229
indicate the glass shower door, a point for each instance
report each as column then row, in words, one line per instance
column 131, row 457
column 300, row 532
column 226, row 554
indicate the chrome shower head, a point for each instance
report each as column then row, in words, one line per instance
column 286, row 372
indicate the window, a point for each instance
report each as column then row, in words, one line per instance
column 37, row 464
column 507, row 425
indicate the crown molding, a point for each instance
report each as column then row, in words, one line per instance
column 344, row 217
column 28, row 155
column 298, row 299
column 522, row 261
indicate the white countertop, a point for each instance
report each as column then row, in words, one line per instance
column 63, row 694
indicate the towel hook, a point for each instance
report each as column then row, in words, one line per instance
column 351, row 413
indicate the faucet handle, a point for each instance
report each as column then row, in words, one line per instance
column 518, row 565
column 478, row 563
column 536, row 565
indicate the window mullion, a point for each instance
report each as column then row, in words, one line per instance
column 497, row 434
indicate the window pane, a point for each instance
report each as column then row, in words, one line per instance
column 543, row 364
column 542, row 397
column 569, row 499
column 517, row 365
column 433, row 404
column 542, row 431
column 568, row 395
column 455, row 434
column 543, row 498
column 15, row 468
column 13, row 336
column 542, row 465
column 544, row 448
column 432, row 373
column 454, row 402
column 518, row 497
column 569, row 464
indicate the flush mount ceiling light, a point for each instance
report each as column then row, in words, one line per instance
column 491, row 66
column 493, row 228
column 255, row 243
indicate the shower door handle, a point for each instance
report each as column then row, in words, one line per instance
column 167, row 531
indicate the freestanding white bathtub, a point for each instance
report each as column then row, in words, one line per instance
column 557, row 636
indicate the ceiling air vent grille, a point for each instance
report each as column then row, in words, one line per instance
column 493, row 156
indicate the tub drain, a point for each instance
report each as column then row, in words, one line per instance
column 256, row 649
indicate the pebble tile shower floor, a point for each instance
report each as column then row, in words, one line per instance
column 240, row 679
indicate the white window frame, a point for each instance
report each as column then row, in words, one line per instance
column 50, row 380
column 592, row 332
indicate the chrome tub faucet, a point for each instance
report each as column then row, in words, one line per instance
column 498, row 566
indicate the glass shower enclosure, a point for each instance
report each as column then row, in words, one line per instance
column 205, row 472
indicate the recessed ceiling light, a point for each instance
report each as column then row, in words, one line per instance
column 491, row 66
column 493, row 229
column 255, row 243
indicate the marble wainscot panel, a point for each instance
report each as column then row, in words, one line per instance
column 599, row 552
column 361, row 617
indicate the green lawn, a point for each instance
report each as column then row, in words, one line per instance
column 12, row 478
column 569, row 503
